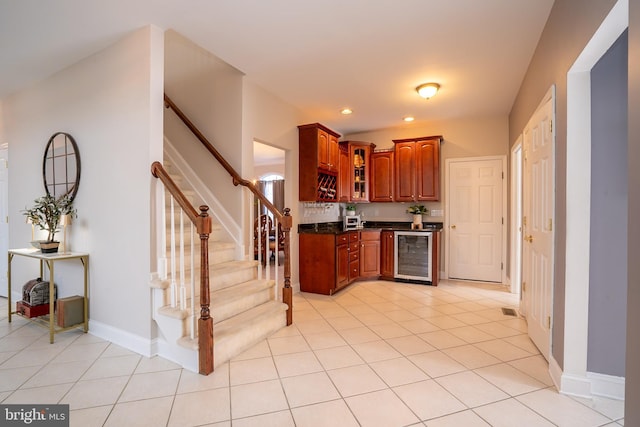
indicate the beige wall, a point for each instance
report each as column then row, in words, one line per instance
column 469, row 137
column 209, row 92
column 268, row 119
column 111, row 103
column 564, row 37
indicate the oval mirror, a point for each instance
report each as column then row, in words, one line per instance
column 61, row 166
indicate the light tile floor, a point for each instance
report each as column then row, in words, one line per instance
column 376, row 354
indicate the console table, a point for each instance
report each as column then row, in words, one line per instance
column 49, row 260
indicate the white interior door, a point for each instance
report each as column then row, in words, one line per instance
column 476, row 219
column 4, row 217
column 538, row 223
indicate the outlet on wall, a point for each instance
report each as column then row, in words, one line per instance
column 437, row 212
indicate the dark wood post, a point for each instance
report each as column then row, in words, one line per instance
column 287, row 291
column 205, row 322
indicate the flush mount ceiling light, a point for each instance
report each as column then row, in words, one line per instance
column 408, row 119
column 346, row 111
column 428, row 90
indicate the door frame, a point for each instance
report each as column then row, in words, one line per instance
column 447, row 256
column 573, row 377
column 515, row 267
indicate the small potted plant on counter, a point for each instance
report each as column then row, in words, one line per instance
column 351, row 209
column 417, row 211
column 46, row 214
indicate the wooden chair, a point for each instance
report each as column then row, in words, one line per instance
column 263, row 227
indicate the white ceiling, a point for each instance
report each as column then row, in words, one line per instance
column 319, row 56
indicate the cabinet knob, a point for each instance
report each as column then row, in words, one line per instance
column 453, row 227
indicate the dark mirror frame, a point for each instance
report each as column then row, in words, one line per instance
column 69, row 183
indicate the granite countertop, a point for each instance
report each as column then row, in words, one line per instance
column 337, row 227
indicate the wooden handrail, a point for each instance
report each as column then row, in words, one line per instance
column 237, row 179
column 202, row 221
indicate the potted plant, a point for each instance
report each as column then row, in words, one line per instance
column 417, row 211
column 351, row 209
column 46, row 214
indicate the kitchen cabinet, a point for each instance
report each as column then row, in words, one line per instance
column 417, row 169
column 318, row 163
column 386, row 254
column 344, row 173
column 355, row 171
column 369, row 254
column 381, row 176
column 327, row 261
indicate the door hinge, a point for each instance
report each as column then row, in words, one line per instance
column 502, row 220
column 550, row 224
column 502, row 175
column 524, row 220
column 548, row 322
column 550, row 126
column 502, row 266
column 524, row 286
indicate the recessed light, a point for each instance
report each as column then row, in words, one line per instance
column 408, row 118
column 346, row 111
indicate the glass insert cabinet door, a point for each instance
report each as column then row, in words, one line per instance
column 61, row 166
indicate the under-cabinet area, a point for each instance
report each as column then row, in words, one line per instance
column 331, row 259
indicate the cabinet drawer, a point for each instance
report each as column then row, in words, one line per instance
column 369, row 235
column 341, row 239
column 354, row 256
column 354, row 236
column 354, row 247
column 354, row 270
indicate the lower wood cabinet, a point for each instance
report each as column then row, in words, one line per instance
column 328, row 262
column 369, row 254
column 386, row 255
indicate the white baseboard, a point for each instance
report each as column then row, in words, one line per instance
column 588, row 385
column 122, row 338
column 607, row 385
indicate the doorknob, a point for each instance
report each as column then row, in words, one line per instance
column 528, row 238
column 453, row 227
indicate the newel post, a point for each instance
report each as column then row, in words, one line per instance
column 287, row 291
column 205, row 322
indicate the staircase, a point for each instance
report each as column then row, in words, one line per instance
column 245, row 309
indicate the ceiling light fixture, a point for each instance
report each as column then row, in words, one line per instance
column 408, row 119
column 428, row 90
column 346, row 111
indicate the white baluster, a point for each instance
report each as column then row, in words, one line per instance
column 173, row 255
column 193, row 285
column 183, row 290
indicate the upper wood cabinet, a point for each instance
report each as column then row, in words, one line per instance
column 355, row 171
column 381, row 176
column 318, row 163
column 344, row 172
column 417, row 169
